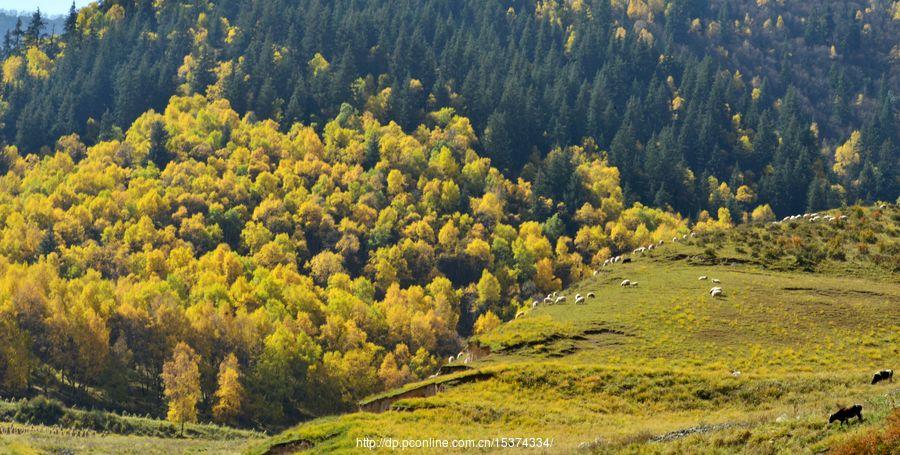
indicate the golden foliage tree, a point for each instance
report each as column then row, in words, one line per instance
column 181, row 378
column 230, row 392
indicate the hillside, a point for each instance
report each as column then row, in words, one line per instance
column 700, row 104
column 650, row 369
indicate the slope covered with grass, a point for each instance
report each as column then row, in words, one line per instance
column 666, row 368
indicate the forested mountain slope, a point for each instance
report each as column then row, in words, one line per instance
column 260, row 211
column 312, row 269
column 685, row 94
column 663, row 367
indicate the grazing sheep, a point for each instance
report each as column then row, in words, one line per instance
column 519, row 314
column 450, row 360
column 651, row 246
column 735, row 374
column 634, row 284
column 594, row 273
column 882, row 206
column 660, row 243
column 843, row 217
column 717, row 293
column 684, row 237
column 625, row 283
column 590, row 295
column 716, row 280
column 535, row 304
column 845, row 414
column 577, row 296
column 579, row 300
column 703, row 277
column 674, row 239
column 693, row 234
column 883, row 375
column 548, row 300
column 560, row 299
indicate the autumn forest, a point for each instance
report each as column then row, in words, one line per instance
column 259, row 212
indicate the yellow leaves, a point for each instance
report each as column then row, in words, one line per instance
column 646, row 36
column 637, row 9
column 489, row 207
column 762, row 214
column 230, row 393
column 544, row 277
column 39, row 65
column 115, row 13
column 488, row 288
column 677, row 103
column 846, row 156
column 396, row 182
column 745, row 194
column 318, row 65
column 620, row 33
column 13, row 70
column 181, row 378
column 486, row 322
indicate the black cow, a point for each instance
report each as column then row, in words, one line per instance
column 883, row 375
column 846, row 414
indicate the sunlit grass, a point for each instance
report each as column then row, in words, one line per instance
column 637, row 363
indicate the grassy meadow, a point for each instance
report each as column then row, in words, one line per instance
column 652, row 368
column 95, row 432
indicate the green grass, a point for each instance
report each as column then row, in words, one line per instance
column 80, row 431
column 635, row 366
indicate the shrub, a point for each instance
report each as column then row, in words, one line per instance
column 875, row 441
column 40, row 410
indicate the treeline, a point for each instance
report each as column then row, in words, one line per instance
column 237, row 271
column 684, row 94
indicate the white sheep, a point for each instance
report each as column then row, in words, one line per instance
column 661, row 242
column 684, row 237
column 674, row 239
column 590, row 295
column 450, row 360
column 651, row 246
column 735, row 374
column 703, row 277
column 716, row 280
column 560, row 299
column 535, row 304
column 717, row 293
column 625, row 283
column 519, row 314
column 693, row 234
column 579, row 300
column 594, row 273
column 634, row 284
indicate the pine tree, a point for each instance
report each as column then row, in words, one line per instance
column 71, row 21
column 158, row 153
column 35, row 30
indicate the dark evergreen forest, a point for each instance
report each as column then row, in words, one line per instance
column 683, row 95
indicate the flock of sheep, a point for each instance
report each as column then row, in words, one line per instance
column 812, row 217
